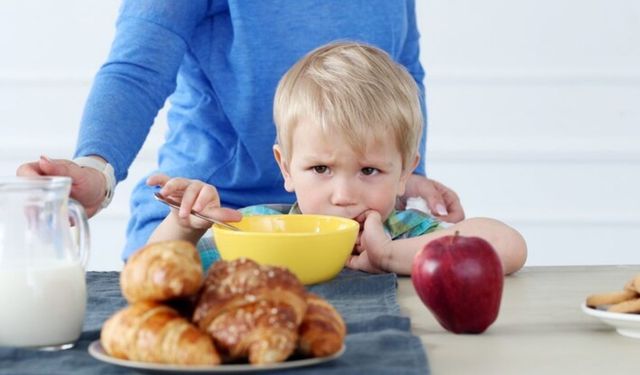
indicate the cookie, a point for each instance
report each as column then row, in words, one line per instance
column 636, row 283
column 630, row 285
column 610, row 298
column 629, row 306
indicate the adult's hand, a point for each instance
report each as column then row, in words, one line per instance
column 88, row 185
column 441, row 200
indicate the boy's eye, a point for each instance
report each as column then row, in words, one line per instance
column 320, row 169
column 367, row 171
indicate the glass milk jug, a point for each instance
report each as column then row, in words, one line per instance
column 44, row 247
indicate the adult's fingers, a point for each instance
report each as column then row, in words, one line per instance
column 88, row 185
column 45, row 167
column 420, row 186
column 435, row 200
column 60, row 167
column 30, row 169
column 442, row 201
column 455, row 212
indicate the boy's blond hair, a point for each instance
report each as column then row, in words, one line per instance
column 354, row 91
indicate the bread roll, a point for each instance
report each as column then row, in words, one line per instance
column 162, row 271
column 153, row 332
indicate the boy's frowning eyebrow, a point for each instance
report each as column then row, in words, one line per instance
column 318, row 159
column 380, row 164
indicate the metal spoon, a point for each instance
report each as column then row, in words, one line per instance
column 175, row 204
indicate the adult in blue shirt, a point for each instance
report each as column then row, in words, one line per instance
column 219, row 63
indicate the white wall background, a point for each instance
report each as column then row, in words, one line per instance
column 534, row 109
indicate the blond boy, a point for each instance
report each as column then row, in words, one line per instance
column 348, row 124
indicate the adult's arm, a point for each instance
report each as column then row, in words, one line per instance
column 127, row 93
column 410, row 58
column 139, row 74
column 442, row 201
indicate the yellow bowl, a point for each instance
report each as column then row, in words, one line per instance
column 314, row 247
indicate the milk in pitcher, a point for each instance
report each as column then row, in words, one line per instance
column 43, row 303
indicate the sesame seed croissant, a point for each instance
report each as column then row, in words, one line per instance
column 251, row 311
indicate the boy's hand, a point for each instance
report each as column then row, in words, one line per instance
column 441, row 200
column 373, row 247
column 193, row 195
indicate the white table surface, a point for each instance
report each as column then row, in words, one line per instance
column 540, row 330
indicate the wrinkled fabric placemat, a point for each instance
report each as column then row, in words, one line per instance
column 379, row 340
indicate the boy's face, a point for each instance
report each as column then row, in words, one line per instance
column 330, row 178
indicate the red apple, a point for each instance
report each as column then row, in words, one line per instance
column 460, row 280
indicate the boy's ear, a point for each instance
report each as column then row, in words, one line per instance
column 284, row 168
column 406, row 173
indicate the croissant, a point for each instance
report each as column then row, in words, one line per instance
column 161, row 271
column 251, row 311
column 322, row 330
column 152, row 332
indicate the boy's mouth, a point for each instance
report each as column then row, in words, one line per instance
column 345, row 214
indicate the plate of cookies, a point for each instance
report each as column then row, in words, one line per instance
column 619, row 309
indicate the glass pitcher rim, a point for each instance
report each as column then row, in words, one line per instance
column 34, row 182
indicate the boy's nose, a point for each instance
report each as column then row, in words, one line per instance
column 344, row 193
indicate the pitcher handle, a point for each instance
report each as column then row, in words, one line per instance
column 79, row 216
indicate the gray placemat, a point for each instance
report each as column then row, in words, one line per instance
column 379, row 340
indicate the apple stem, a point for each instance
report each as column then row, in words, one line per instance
column 455, row 235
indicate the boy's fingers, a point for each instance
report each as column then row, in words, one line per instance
column 362, row 217
column 361, row 262
column 188, row 199
column 207, row 197
column 157, row 179
column 373, row 224
column 354, row 262
column 177, row 184
column 224, row 214
column 174, row 188
column 372, row 215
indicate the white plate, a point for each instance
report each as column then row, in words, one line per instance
column 626, row 324
column 96, row 351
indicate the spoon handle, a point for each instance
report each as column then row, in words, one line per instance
column 175, row 204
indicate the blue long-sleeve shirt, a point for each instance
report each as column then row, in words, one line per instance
column 219, row 63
